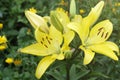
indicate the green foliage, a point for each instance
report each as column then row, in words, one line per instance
column 20, row 34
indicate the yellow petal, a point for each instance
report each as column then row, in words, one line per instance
column 100, row 32
column 88, row 55
column 68, row 37
column 3, row 46
column 37, row 21
column 77, row 18
column 3, row 39
column 103, row 49
column 59, row 56
column 93, row 15
column 36, row 49
column 39, row 35
column 112, row 46
column 77, row 27
column 1, row 25
column 55, row 34
column 43, row 65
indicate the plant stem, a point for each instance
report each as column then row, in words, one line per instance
column 68, row 65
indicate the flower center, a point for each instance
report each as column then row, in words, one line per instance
column 46, row 41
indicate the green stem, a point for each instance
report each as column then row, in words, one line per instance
column 68, row 65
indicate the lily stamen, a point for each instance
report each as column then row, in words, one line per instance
column 106, row 35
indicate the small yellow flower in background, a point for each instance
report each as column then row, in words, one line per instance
column 36, row 21
column 94, row 39
column 82, row 11
column 114, row 10
column 1, row 25
column 9, row 60
column 60, row 9
column 3, row 41
column 33, row 10
column 3, row 46
column 63, row 3
column 117, row 4
column 17, row 62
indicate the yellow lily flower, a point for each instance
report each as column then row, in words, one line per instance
column 94, row 39
column 49, row 44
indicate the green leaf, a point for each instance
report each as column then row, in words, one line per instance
column 12, row 32
column 74, row 75
column 56, row 74
column 99, row 74
column 73, row 72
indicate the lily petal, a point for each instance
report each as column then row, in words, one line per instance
column 100, row 32
column 77, row 27
column 39, row 35
column 37, row 21
column 43, row 65
column 36, row 49
column 93, row 15
column 68, row 37
column 89, row 55
column 55, row 34
column 58, row 56
column 77, row 18
column 112, row 46
column 103, row 49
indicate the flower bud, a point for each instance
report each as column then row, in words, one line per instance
column 56, row 22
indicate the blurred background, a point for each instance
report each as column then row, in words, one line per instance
column 19, row 33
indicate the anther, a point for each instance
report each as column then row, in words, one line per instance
column 41, row 42
column 46, row 46
column 46, row 37
column 43, row 39
column 49, row 42
column 106, row 35
column 50, row 38
column 100, row 29
column 102, row 34
column 98, row 33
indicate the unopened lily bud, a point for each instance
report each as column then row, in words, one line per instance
column 37, row 21
column 56, row 22
column 72, row 8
